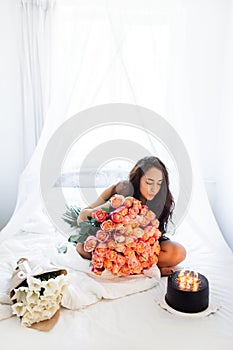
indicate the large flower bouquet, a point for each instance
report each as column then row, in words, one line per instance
column 122, row 239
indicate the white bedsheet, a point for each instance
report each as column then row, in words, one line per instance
column 123, row 314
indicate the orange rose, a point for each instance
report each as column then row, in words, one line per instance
column 122, row 210
column 108, row 264
column 137, row 204
column 115, row 269
column 97, row 261
column 128, row 202
column 120, row 247
column 140, row 247
column 107, row 225
column 154, row 259
column 152, row 240
column 137, row 269
column 111, row 244
column 144, row 210
column 101, row 249
column 96, row 270
column 126, row 270
column 120, row 260
column 111, row 255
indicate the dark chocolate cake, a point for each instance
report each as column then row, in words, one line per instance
column 187, row 299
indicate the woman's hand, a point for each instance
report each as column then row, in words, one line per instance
column 84, row 214
column 82, row 252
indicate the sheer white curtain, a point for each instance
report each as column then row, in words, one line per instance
column 129, row 52
column 35, row 68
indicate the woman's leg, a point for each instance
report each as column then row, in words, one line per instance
column 171, row 254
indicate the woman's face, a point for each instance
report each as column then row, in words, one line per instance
column 150, row 183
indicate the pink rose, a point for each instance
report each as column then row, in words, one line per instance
column 102, row 235
column 133, row 212
column 120, row 228
column 119, row 237
column 132, row 262
column 155, row 223
column 138, row 232
column 143, row 221
column 151, row 230
column 90, row 244
column 117, row 200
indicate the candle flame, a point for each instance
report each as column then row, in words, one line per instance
column 188, row 280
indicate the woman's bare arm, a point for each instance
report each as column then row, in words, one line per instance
column 102, row 199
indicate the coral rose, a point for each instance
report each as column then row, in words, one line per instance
column 128, row 202
column 116, row 217
column 100, row 215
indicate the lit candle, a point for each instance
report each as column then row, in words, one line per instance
column 188, row 280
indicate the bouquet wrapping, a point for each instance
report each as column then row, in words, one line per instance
column 122, row 239
column 37, row 297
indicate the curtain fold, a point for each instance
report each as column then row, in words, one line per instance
column 159, row 55
column 44, row 4
column 35, row 67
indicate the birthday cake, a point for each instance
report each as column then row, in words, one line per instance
column 187, row 292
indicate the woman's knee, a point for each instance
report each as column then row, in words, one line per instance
column 172, row 253
column 180, row 253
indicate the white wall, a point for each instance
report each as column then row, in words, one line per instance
column 223, row 159
column 10, row 115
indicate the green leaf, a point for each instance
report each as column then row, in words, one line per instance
column 62, row 249
column 71, row 215
column 73, row 238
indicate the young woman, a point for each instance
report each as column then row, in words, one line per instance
column 148, row 182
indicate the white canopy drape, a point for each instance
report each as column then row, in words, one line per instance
column 104, row 52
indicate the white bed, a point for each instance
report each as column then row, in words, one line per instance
column 124, row 314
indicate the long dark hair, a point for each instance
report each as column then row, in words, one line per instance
column 163, row 203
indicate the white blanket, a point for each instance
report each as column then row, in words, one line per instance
column 123, row 313
column 40, row 245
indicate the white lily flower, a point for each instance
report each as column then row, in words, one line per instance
column 19, row 309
